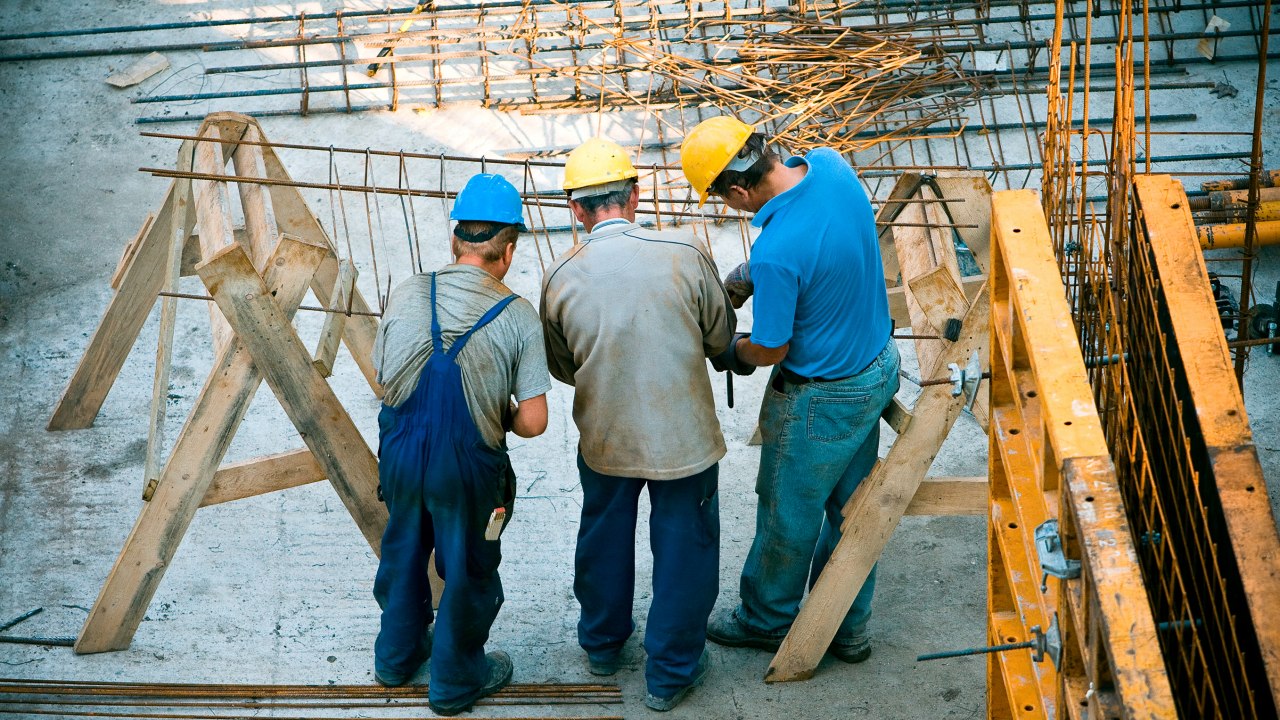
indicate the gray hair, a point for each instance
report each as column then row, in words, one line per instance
column 593, row 204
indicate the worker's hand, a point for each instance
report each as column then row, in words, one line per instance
column 728, row 361
column 738, row 284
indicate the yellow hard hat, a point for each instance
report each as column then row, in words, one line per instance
column 709, row 148
column 597, row 162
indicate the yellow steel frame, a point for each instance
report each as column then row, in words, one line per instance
column 1049, row 458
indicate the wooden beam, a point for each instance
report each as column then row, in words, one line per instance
column 199, row 448
column 898, row 298
column 972, row 187
column 950, row 496
column 904, row 188
column 164, row 359
column 295, row 218
column 335, row 321
column 259, row 219
column 307, row 399
column 262, row 475
column 126, row 257
column 213, row 215
column 180, row 230
column 118, row 330
column 874, row 511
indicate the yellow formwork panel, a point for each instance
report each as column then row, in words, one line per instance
column 1049, row 459
column 1211, row 551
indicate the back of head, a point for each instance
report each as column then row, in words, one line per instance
column 599, row 174
column 722, row 152
column 489, row 216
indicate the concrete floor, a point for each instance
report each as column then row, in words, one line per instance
column 277, row 588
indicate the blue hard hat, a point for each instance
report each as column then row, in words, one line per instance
column 490, row 198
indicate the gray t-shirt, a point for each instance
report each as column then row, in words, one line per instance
column 502, row 359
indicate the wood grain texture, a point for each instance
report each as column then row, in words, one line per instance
column 197, row 452
column 307, row 399
column 213, row 216
column 118, row 330
column 236, row 481
column 335, row 321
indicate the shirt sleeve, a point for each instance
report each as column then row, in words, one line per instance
column 559, row 359
column 776, row 290
column 718, row 320
column 531, row 369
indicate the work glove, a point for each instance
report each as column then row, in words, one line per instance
column 738, row 284
column 728, row 361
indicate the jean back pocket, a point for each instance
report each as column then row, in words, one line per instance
column 838, row 418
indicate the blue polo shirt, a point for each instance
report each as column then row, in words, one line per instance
column 819, row 282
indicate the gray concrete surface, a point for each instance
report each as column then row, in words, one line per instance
column 277, row 588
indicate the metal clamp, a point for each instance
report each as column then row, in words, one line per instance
column 964, row 381
column 1052, row 560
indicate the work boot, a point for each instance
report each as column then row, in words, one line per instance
column 851, row 650
column 726, row 629
column 653, row 702
column 391, row 678
column 605, row 664
column 500, row 670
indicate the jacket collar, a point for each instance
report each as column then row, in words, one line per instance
column 612, row 226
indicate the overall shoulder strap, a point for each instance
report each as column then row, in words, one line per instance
column 435, row 321
column 485, row 319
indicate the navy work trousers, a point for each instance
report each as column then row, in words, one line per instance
column 684, row 535
column 440, row 482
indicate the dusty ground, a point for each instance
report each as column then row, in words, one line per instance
column 277, row 588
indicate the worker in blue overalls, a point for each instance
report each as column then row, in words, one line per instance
column 455, row 346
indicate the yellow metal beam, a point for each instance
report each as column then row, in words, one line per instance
column 1049, row 457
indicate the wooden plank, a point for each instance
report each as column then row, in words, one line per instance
column 145, row 67
column 335, row 321
column 180, row 230
column 950, row 496
column 164, row 359
column 262, row 475
column 307, row 399
column 897, row 416
column 213, row 216
column 126, row 257
column 198, row 450
column 940, row 296
column 972, row 187
column 903, row 189
column 898, row 298
column 118, row 330
column 874, row 511
column 255, row 203
column 918, row 255
column 295, row 218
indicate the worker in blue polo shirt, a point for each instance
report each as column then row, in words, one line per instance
column 821, row 316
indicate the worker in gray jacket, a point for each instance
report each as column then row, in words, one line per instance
column 629, row 317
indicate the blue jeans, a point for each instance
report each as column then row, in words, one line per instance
column 684, row 535
column 819, row 441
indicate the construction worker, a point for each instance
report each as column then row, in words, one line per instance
column 454, row 347
column 630, row 316
column 821, row 317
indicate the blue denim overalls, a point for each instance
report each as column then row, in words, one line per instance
column 440, row 482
